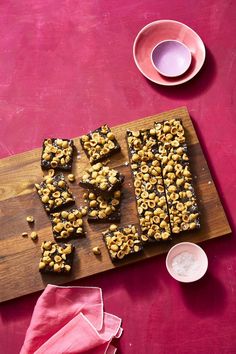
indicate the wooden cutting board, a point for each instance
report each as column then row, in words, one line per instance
column 19, row 256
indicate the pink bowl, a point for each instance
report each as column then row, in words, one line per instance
column 171, row 58
column 196, row 252
column 162, row 30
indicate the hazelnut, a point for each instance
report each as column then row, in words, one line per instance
column 56, row 267
column 110, row 136
column 114, row 248
column 91, row 196
column 41, row 265
column 64, row 214
column 93, row 213
column 71, row 177
column 117, row 194
column 113, row 180
column 96, row 250
column 45, row 199
column 98, row 166
column 113, row 227
column 93, row 203
column 61, row 184
column 85, row 138
column 67, row 267
column 34, row 235
column 104, row 186
column 71, row 216
column 47, row 245
column 54, row 164
column 84, row 211
column 57, row 259
column 153, row 131
column 67, row 250
column 30, row 219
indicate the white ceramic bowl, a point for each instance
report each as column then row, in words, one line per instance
column 186, row 262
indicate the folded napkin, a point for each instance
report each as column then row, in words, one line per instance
column 71, row 320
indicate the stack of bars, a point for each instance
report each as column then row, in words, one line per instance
column 103, row 193
column 55, row 195
column 103, row 184
column 165, row 197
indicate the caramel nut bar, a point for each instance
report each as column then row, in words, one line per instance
column 56, row 258
column 54, row 192
column 170, row 133
column 122, row 242
column 99, row 144
column 101, row 180
column 148, row 185
column 104, row 210
column 67, row 224
column 57, row 154
column 181, row 198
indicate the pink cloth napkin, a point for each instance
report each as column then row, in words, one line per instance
column 71, row 320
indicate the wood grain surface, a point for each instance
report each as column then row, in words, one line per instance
column 19, row 256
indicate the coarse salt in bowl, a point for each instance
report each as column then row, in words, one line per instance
column 186, row 262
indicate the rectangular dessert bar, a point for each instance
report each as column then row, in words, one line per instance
column 57, row 154
column 104, row 210
column 99, row 144
column 170, row 133
column 67, row 224
column 56, row 258
column 54, row 192
column 101, row 180
column 181, row 197
column 122, row 242
column 148, row 185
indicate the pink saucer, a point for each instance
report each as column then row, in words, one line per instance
column 186, row 262
column 163, row 30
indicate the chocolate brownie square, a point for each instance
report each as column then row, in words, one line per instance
column 56, row 258
column 99, row 144
column 54, row 192
column 67, row 224
column 57, row 154
column 122, row 242
column 104, row 209
column 101, row 180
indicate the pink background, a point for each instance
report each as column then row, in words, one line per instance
column 65, row 68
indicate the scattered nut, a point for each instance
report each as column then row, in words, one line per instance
column 24, row 234
column 30, row 219
column 34, row 235
column 96, row 250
